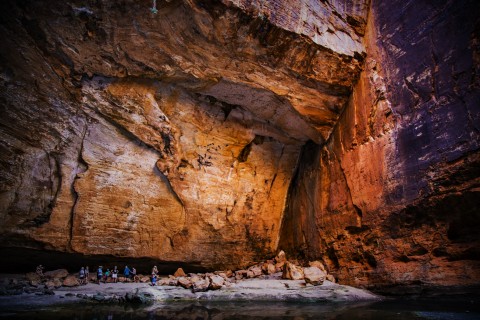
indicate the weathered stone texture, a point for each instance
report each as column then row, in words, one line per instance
column 171, row 135
column 393, row 197
column 179, row 136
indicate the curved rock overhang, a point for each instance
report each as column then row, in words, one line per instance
column 171, row 135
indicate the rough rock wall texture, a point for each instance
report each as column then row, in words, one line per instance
column 172, row 135
column 393, row 198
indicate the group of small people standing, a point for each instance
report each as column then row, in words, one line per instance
column 84, row 274
column 129, row 274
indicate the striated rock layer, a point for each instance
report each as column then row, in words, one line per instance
column 171, row 136
column 213, row 133
column 393, row 198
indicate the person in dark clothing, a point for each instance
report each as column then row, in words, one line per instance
column 126, row 273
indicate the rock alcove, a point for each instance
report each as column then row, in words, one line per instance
column 213, row 133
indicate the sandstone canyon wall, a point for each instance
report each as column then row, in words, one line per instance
column 172, row 136
column 393, row 196
column 214, row 133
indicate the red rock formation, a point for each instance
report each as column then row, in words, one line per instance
column 172, row 135
column 393, row 197
column 176, row 136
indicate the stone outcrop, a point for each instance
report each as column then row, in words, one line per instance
column 56, row 274
column 179, row 273
column 292, row 272
column 71, row 281
column 314, row 275
column 172, row 135
column 392, row 198
column 212, row 133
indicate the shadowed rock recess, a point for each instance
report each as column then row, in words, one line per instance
column 214, row 133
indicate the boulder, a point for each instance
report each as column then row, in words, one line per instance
column 138, row 298
column 292, row 272
column 222, row 274
column 179, row 273
column 240, row 274
column 280, row 261
column 317, row 264
column 269, row 267
column 314, row 275
column 49, row 284
column 144, row 279
column 172, row 282
column 330, row 278
column 99, row 297
column 256, row 271
column 59, row 273
column 34, row 279
column 216, row 282
column 184, row 282
column 201, row 285
column 281, row 257
column 57, row 283
column 160, row 282
column 71, row 281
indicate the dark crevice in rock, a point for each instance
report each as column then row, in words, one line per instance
column 82, row 166
column 357, row 230
column 243, row 155
column 358, row 211
column 333, row 257
column 291, row 232
column 370, row 258
column 169, row 185
column 226, row 107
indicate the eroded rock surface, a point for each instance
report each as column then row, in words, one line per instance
column 172, row 135
column 393, row 197
column 179, row 135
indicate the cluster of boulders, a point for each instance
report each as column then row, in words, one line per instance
column 38, row 284
column 48, row 281
column 276, row 268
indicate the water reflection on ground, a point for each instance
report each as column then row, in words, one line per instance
column 465, row 308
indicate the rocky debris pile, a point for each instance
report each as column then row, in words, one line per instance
column 38, row 284
column 277, row 268
column 314, row 273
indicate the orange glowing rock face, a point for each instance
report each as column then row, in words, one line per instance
column 215, row 133
column 172, row 135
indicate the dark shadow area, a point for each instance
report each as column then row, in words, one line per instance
column 21, row 260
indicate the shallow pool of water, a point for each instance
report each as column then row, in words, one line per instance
column 442, row 309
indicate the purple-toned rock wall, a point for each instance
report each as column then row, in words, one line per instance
column 393, row 198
